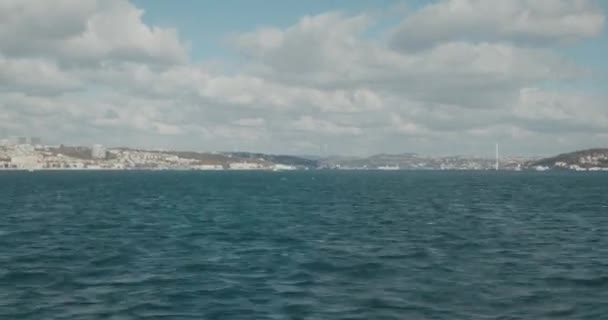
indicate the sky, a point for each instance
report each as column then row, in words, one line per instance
column 349, row 77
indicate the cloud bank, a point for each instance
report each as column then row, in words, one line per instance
column 453, row 76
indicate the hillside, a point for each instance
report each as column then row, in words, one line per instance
column 590, row 158
column 412, row 161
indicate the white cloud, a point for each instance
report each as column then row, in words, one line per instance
column 93, row 71
column 85, row 31
column 316, row 42
column 561, row 111
column 250, row 122
column 41, row 23
column 345, row 60
column 324, row 127
column 36, row 76
column 406, row 126
column 529, row 21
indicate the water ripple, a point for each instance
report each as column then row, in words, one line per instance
column 317, row 245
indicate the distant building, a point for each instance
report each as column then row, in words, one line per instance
column 98, row 152
column 208, row 167
column 21, row 140
column 244, row 166
column 12, row 140
column 35, row 141
column 25, row 162
column 388, row 167
column 280, row 167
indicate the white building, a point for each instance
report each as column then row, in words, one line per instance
column 25, row 162
column 98, row 152
column 576, row 167
column 244, row 166
column 281, row 167
column 208, row 167
column 388, row 168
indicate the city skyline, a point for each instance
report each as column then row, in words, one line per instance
column 22, row 153
column 97, row 149
column 342, row 77
column 323, row 151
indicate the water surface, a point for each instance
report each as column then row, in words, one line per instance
column 303, row 245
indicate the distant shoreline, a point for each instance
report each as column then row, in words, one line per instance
column 79, row 158
column 299, row 170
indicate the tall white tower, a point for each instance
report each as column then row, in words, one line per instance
column 497, row 165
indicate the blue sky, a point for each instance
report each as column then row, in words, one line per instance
column 208, row 23
column 361, row 76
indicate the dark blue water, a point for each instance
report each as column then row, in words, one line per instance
column 303, row 245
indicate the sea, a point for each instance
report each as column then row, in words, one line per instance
column 303, row 245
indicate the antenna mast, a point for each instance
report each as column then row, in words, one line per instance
column 497, row 165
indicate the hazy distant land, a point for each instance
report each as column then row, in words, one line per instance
column 40, row 157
